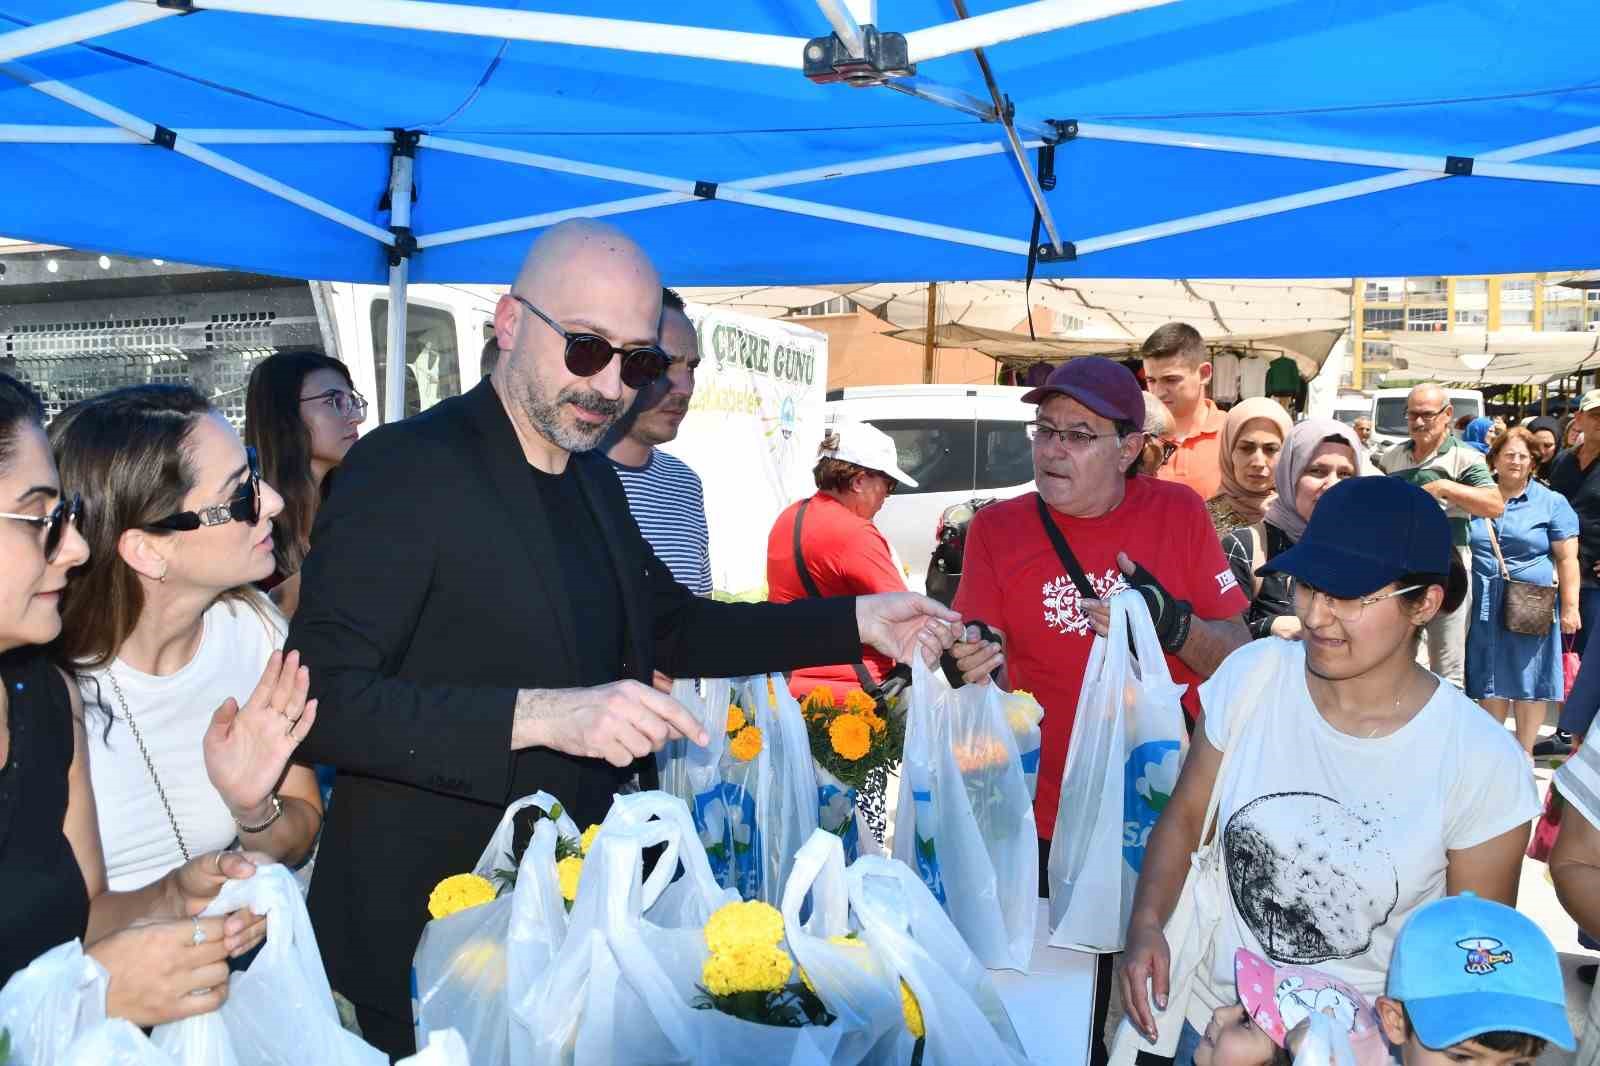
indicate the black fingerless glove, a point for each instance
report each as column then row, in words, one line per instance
column 1172, row 617
column 947, row 661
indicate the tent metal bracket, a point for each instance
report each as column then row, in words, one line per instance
column 1458, row 165
column 883, row 56
column 705, row 190
column 1049, row 254
column 182, row 7
column 164, row 137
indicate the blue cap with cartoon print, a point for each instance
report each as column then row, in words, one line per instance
column 1465, row 966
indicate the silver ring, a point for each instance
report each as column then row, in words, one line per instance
column 199, row 935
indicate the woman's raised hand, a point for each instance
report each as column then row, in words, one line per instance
column 247, row 749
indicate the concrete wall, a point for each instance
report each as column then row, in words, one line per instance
column 860, row 354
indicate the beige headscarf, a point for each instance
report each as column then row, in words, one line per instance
column 1251, row 507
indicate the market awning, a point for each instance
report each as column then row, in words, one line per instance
column 1496, row 358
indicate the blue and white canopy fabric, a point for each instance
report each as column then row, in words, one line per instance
column 1204, row 138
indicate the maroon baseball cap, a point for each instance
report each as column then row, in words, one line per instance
column 1107, row 388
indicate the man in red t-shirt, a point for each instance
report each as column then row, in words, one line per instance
column 1126, row 530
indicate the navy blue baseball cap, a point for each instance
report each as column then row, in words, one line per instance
column 1365, row 533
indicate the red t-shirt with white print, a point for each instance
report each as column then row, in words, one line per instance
column 1012, row 579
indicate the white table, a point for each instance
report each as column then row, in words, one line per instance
column 1051, row 1006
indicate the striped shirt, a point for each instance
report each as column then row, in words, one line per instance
column 1578, row 780
column 669, row 506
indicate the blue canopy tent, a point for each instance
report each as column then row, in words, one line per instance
column 367, row 140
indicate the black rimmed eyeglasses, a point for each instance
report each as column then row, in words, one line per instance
column 589, row 353
column 66, row 511
column 245, row 506
column 346, row 402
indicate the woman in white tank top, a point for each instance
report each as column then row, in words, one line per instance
column 192, row 711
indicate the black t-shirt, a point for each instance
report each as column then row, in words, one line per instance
column 589, row 575
column 1581, row 487
column 45, row 900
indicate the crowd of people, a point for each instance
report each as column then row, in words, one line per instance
column 494, row 596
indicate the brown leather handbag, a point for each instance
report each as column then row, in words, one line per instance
column 1528, row 608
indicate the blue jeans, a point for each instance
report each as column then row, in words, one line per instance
column 1584, row 700
column 1188, row 1040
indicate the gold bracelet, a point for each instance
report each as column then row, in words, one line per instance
column 277, row 812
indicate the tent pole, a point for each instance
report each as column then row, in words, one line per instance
column 1544, row 400
column 23, row 134
column 927, row 333
column 400, row 171
column 734, row 46
column 81, row 27
column 155, row 134
column 1008, row 24
column 846, row 26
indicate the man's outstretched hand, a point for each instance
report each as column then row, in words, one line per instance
column 898, row 624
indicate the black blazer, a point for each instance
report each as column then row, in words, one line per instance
column 431, row 595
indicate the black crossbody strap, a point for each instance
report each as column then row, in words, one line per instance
column 1064, row 551
column 867, row 684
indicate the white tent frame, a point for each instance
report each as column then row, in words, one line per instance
column 846, row 18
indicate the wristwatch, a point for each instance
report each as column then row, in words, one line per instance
column 277, row 812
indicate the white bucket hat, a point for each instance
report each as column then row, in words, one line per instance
column 867, row 446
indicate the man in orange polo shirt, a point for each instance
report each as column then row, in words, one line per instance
column 1177, row 369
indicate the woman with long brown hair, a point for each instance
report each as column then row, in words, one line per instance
column 167, row 638
column 302, row 414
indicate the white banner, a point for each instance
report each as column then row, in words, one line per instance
column 752, row 434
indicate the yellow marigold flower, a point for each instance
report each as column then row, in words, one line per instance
column 458, row 893
column 587, row 840
column 756, row 968
column 847, row 941
column 740, row 925
column 878, row 724
column 912, row 1011
column 568, row 871
column 818, row 699
column 772, row 689
column 858, row 702
column 851, row 736
column 735, row 718
column 747, row 745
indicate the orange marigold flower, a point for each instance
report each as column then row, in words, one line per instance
column 736, row 720
column 747, row 745
column 819, row 699
column 858, row 702
column 851, row 736
column 878, row 724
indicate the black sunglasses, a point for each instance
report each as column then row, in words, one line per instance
column 244, row 507
column 588, row 354
column 54, row 523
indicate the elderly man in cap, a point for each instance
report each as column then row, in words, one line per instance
column 1039, row 569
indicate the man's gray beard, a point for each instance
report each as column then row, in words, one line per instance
column 546, row 416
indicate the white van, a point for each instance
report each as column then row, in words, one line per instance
column 1347, row 409
column 957, row 441
column 1389, row 413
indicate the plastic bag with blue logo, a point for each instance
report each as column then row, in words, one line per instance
column 1127, row 744
column 687, row 770
column 965, row 817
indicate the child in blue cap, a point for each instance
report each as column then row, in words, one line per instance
column 1472, row 980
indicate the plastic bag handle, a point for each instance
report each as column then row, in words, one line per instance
column 486, row 864
column 683, row 844
column 818, row 871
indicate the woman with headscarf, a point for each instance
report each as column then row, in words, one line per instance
column 1252, row 437
column 1318, row 454
column 1476, row 435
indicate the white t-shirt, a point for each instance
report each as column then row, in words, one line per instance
column 1252, row 377
column 172, row 714
column 1331, row 841
column 1225, row 377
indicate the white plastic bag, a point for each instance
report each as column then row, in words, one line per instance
column 915, row 942
column 282, row 1004
column 1128, row 742
column 1326, row 1043
column 760, row 811
column 114, row 1042
column 964, row 820
column 690, row 899
column 622, row 987
column 685, row 769
column 444, row 1048
column 462, row 976
column 49, row 1003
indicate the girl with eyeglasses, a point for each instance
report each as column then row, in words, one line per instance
column 163, row 963
column 302, row 414
column 1351, row 785
column 194, row 712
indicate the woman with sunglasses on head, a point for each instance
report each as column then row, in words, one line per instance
column 1352, row 785
column 302, row 414
column 163, row 963
column 1317, row 454
column 194, row 711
